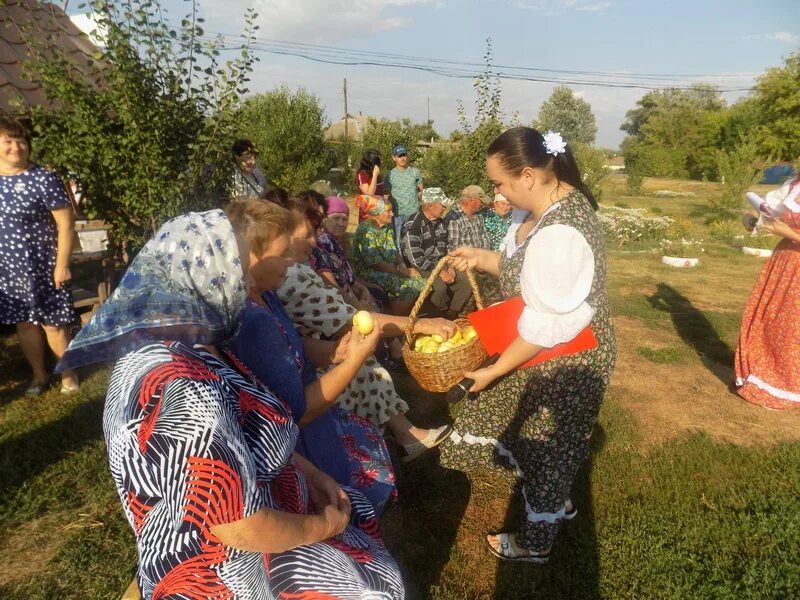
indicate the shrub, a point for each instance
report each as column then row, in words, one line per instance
column 634, row 181
column 592, row 163
column 739, row 169
column 725, row 230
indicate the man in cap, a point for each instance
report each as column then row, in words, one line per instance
column 466, row 227
column 424, row 244
column 405, row 185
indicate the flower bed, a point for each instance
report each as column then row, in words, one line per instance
column 623, row 226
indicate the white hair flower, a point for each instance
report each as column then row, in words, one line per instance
column 554, row 144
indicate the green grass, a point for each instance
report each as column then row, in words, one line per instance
column 689, row 517
column 669, row 355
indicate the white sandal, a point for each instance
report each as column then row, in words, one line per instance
column 433, row 439
column 506, row 551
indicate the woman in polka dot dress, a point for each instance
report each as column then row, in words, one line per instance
column 36, row 229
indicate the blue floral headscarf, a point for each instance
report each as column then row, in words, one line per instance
column 186, row 285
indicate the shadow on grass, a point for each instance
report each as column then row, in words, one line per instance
column 24, row 457
column 695, row 329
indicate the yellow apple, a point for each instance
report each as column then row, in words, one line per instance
column 439, row 339
column 470, row 334
column 363, row 322
column 456, row 337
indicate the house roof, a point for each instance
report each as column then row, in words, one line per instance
column 355, row 127
column 50, row 27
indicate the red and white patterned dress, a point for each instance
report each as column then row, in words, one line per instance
column 192, row 444
column 767, row 357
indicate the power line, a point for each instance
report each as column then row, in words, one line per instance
column 449, row 68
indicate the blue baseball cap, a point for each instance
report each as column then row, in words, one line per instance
column 399, row 150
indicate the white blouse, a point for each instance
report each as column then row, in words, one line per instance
column 556, row 280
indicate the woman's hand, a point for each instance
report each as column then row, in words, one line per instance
column 481, row 377
column 465, row 257
column 448, row 275
column 412, row 272
column 376, row 170
column 438, row 326
column 779, row 228
column 361, row 347
column 330, row 501
column 342, row 349
column 61, row 275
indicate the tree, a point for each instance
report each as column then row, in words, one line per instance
column 147, row 131
column 569, row 115
column 778, row 97
column 674, row 133
column 287, row 129
column 592, row 164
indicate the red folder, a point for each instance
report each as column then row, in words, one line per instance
column 497, row 328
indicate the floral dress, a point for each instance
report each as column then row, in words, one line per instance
column 372, row 245
column 536, row 422
column 194, row 443
column 319, row 310
column 28, row 241
column 340, row 443
column 767, row 361
column 496, row 227
column 329, row 256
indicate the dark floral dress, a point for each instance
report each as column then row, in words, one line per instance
column 537, row 422
column 28, row 242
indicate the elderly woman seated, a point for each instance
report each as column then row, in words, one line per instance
column 319, row 311
column 343, row 445
column 328, row 257
column 377, row 260
column 201, row 454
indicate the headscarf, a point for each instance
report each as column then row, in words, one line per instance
column 186, row 285
column 371, row 205
column 337, row 205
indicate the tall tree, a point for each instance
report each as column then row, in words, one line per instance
column 778, row 96
column 568, row 114
column 287, row 129
column 147, row 132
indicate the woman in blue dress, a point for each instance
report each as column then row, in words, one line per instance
column 347, row 447
column 36, row 229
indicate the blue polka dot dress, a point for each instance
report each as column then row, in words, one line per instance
column 28, row 240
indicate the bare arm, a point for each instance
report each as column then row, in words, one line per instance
column 65, row 223
column 518, row 352
column 322, row 393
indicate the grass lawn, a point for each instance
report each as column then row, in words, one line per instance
column 690, row 492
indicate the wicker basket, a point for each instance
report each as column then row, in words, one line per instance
column 438, row 372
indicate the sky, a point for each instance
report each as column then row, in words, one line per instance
column 726, row 42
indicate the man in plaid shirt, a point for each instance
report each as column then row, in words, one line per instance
column 466, row 227
column 424, row 242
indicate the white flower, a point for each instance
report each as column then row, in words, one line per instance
column 554, row 144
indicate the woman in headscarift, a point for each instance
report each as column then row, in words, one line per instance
column 201, row 454
column 537, row 422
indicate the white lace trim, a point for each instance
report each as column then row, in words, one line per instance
column 531, row 515
column 761, row 384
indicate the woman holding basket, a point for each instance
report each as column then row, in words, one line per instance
column 538, row 421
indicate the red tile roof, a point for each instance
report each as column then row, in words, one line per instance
column 51, row 27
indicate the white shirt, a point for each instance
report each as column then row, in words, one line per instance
column 556, row 279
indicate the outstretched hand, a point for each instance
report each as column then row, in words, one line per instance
column 464, row 257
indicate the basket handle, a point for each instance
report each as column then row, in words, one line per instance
column 412, row 318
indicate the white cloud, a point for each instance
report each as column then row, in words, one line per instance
column 552, row 7
column 317, row 21
column 779, row 36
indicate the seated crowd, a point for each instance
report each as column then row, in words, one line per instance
column 246, row 419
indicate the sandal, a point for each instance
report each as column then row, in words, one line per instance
column 35, row 389
column 507, row 552
column 570, row 512
column 433, row 439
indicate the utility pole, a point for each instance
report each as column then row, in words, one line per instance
column 345, row 109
